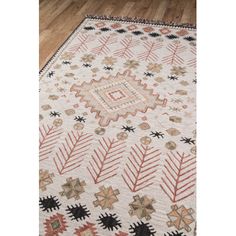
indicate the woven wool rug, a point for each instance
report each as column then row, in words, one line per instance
column 117, row 131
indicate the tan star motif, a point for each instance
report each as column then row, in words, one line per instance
column 142, row 207
column 106, row 197
column 180, row 217
column 73, row 188
column 45, row 178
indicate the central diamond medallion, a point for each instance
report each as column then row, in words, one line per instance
column 117, row 96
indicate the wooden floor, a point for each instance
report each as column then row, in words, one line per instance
column 58, row 18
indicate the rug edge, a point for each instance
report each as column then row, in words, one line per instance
column 117, row 18
column 142, row 20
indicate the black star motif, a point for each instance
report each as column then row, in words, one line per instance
column 194, row 81
column 78, row 212
column 128, row 128
column 105, row 29
column 66, row 62
column 149, row 74
column 154, row 34
column 50, row 74
column 187, row 140
column 172, row 36
column 121, row 31
column 107, row 68
column 109, row 221
column 157, row 134
column 189, row 38
column 172, row 77
column 55, row 114
column 80, row 119
column 137, row 32
column 49, row 203
column 87, row 65
column 176, row 233
column 142, row 229
column 89, row 28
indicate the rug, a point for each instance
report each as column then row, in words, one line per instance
column 117, row 146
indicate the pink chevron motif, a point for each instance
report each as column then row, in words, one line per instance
column 103, row 48
column 192, row 62
column 82, row 45
column 125, row 51
column 179, row 176
column 49, row 136
column 106, row 159
column 174, row 57
column 139, row 171
column 72, row 152
column 150, row 53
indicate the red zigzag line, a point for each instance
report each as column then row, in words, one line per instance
column 179, row 176
column 71, row 153
column 106, row 159
column 48, row 139
column 140, row 171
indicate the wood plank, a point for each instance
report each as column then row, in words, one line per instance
column 59, row 17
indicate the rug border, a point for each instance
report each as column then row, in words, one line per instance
column 122, row 19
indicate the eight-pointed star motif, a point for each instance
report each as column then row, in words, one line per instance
column 73, row 188
column 180, row 217
column 106, row 197
column 142, row 207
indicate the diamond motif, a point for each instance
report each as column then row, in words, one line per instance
column 132, row 27
column 117, row 96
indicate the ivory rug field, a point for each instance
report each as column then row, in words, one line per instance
column 117, row 133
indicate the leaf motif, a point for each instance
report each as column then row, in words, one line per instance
column 47, row 140
column 179, row 176
column 71, row 153
column 140, row 170
column 106, row 159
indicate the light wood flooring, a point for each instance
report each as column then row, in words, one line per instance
column 58, row 18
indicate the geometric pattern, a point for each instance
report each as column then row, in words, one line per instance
column 180, row 217
column 117, row 96
column 117, row 131
column 55, row 225
column 142, row 207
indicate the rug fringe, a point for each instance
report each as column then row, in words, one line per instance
column 141, row 20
